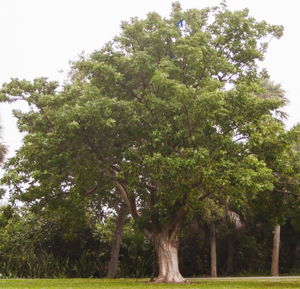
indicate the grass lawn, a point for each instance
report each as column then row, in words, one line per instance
column 140, row 283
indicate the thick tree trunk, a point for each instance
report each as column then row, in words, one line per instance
column 275, row 254
column 115, row 250
column 166, row 245
column 213, row 251
column 230, row 262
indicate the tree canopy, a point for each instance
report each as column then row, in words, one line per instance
column 166, row 115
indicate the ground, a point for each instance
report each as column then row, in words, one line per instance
column 203, row 283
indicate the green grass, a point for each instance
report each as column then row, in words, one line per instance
column 142, row 283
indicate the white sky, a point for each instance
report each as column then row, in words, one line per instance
column 38, row 37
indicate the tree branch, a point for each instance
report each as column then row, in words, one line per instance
column 130, row 203
column 286, row 192
column 135, row 96
column 204, row 196
column 150, row 187
column 92, row 190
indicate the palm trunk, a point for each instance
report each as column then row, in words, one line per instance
column 213, row 251
column 230, row 262
column 115, row 250
column 275, row 254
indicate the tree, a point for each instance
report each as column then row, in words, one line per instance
column 153, row 124
column 235, row 225
column 275, row 254
column 122, row 214
column 213, row 250
column 275, row 91
column 211, row 215
column 281, row 203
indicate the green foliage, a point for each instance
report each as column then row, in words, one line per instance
column 6, row 213
column 44, row 246
column 155, row 118
column 33, row 247
column 136, row 254
column 40, row 247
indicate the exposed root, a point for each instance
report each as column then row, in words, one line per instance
column 173, row 279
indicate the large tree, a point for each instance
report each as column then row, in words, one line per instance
column 161, row 118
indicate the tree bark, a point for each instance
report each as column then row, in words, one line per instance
column 275, row 254
column 115, row 250
column 230, row 262
column 213, row 251
column 166, row 245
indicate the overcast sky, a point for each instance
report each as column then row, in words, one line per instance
column 39, row 37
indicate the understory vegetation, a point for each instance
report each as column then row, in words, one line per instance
column 49, row 246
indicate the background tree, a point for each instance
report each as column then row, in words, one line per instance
column 274, row 90
column 235, row 225
column 122, row 213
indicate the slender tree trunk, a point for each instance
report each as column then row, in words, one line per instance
column 230, row 262
column 213, row 251
column 250, row 263
column 115, row 250
column 275, row 254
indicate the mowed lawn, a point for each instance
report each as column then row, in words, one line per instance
column 142, row 283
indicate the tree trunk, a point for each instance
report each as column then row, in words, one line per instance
column 166, row 245
column 230, row 262
column 275, row 254
column 213, row 251
column 115, row 250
